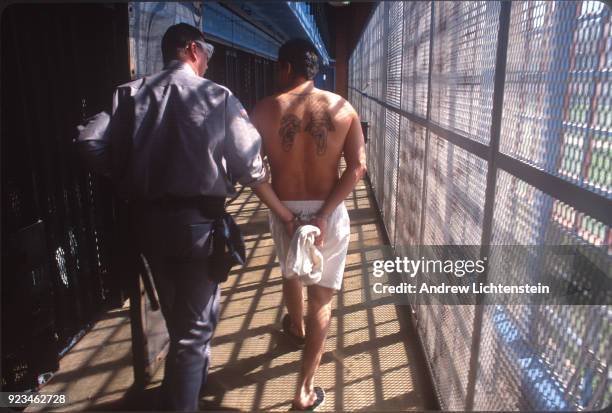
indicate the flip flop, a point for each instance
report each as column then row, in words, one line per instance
column 319, row 401
column 295, row 339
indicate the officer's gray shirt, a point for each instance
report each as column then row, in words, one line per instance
column 173, row 134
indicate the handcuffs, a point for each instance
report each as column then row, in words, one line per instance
column 297, row 219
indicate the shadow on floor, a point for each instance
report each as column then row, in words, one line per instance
column 371, row 360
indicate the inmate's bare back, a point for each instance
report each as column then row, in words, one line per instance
column 304, row 136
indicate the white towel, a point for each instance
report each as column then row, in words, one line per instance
column 304, row 259
column 337, row 237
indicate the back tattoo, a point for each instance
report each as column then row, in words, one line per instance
column 318, row 123
column 289, row 128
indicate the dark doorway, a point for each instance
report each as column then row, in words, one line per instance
column 60, row 64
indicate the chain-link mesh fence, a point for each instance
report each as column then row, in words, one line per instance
column 491, row 123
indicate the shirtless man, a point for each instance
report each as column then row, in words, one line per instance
column 305, row 131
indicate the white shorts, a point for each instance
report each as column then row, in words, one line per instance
column 335, row 244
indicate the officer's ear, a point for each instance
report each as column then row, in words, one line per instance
column 191, row 50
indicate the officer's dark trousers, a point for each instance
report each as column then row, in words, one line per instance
column 175, row 245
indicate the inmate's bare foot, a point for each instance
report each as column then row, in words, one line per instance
column 304, row 399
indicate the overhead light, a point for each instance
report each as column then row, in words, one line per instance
column 339, row 3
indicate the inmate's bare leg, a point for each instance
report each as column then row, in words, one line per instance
column 294, row 300
column 317, row 324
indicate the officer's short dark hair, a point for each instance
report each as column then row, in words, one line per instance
column 302, row 56
column 178, row 37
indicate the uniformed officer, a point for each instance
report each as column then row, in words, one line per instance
column 174, row 145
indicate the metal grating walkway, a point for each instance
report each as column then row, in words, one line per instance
column 370, row 363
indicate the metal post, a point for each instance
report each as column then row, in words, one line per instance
column 382, row 112
column 496, row 118
column 399, row 128
column 428, row 133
